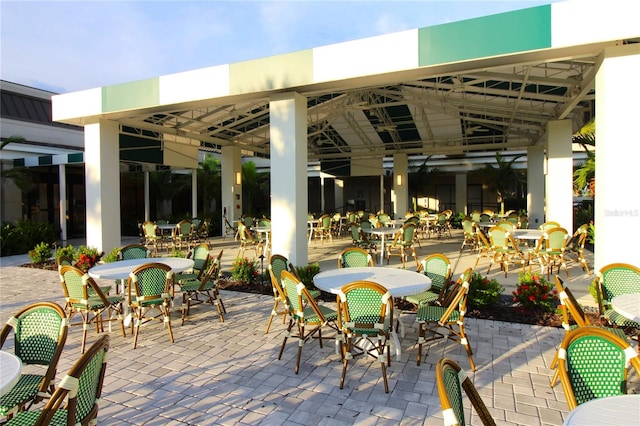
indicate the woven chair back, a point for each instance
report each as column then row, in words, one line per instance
column 619, row 278
column 40, row 331
column 354, row 257
column 133, row 251
column 438, row 268
column 364, row 308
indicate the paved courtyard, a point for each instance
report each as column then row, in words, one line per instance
column 228, row 373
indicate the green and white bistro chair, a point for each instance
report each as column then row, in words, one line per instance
column 593, row 363
column 40, row 332
column 75, row 400
column 437, row 267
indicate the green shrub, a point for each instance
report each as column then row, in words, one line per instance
column 87, row 257
column 306, row 274
column 483, row 292
column 593, row 289
column 40, row 253
column 112, row 256
column 68, row 251
column 22, row 236
column 176, row 252
column 533, row 291
column 244, row 270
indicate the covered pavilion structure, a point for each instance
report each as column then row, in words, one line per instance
column 523, row 80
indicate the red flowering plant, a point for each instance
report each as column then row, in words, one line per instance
column 244, row 270
column 533, row 291
column 87, row 257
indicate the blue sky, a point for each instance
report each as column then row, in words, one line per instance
column 64, row 46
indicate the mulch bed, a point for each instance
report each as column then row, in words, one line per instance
column 502, row 311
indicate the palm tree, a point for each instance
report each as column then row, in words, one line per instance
column 502, row 178
column 255, row 187
column 420, row 175
column 209, row 181
column 22, row 177
column 586, row 173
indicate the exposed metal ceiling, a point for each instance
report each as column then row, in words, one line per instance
column 485, row 109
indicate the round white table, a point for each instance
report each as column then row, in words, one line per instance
column 121, row 269
column 628, row 305
column 527, row 234
column 613, row 410
column 10, row 369
column 399, row 282
column 385, row 230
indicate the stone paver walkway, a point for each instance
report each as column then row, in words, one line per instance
column 228, row 373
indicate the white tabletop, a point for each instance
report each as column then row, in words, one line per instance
column 121, row 269
column 627, row 305
column 10, row 368
column 486, row 225
column 399, row 282
column 261, row 229
column 384, row 230
column 613, row 410
column 166, row 226
column 527, row 234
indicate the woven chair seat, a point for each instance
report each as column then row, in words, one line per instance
column 620, row 320
column 434, row 313
column 26, row 387
column 310, row 317
column 28, row 418
column 314, row 293
column 182, row 278
column 424, row 298
column 194, row 285
column 95, row 302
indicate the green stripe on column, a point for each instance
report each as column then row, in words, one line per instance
column 517, row 31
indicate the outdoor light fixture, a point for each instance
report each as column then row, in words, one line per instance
column 399, row 180
column 238, row 178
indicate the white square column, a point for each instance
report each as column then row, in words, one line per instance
column 400, row 185
column 289, row 190
column 617, row 205
column 559, row 187
column 231, row 187
column 102, row 181
column 535, row 185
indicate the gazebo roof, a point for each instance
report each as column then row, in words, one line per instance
column 484, row 84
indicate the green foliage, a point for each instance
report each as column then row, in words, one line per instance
column 591, row 236
column 176, row 252
column 112, row 256
column 483, row 291
column 22, row 236
column 244, row 270
column 40, row 253
column 533, row 291
column 68, row 251
column 456, row 220
column 593, row 289
column 306, row 274
column 582, row 214
column 503, row 178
